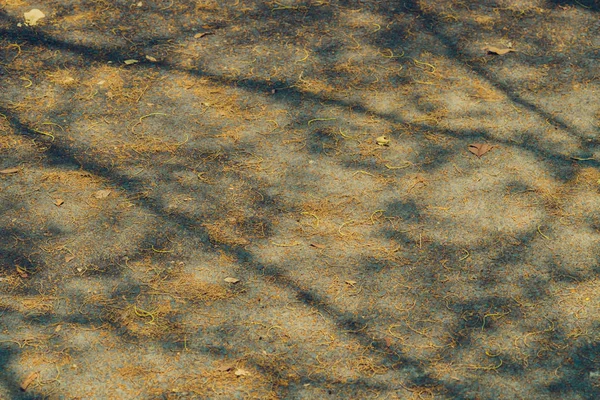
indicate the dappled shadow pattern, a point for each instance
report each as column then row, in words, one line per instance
column 151, row 154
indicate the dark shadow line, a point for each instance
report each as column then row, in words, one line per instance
column 431, row 23
column 116, row 55
column 274, row 272
column 343, row 320
column 253, row 84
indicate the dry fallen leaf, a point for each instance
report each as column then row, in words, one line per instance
column 351, row 283
column 59, row 202
column 202, row 34
column 383, row 141
column 497, row 51
column 22, row 272
column 9, row 171
column 150, row 58
column 32, row 17
column 129, row 62
column 29, row 380
column 317, row 245
column 232, row 280
column 226, row 368
column 69, row 258
column 102, row 194
column 479, row 149
column 241, row 372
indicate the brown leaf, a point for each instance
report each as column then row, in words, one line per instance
column 102, row 194
column 317, row 245
column 69, row 258
column 202, row 34
column 29, row 380
column 241, row 372
column 59, row 202
column 479, row 149
column 22, row 272
column 231, row 280
column 9, row 171
column 497, row 51
column 226, row 368
column 351, row 283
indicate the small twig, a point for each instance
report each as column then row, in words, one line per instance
column 143, row 313
column 312, row 215
column 344, row 224
column 17, row 47
column 29, row 380
column 161, row 251
column 540, row 232
column 387, row 53
column 583, row 159
column 490, row 368
column 320, row 119
column 286, row 244
column 375, row 212
column 345, row 136
column 305, row 56
column 362, row 172
column 29, row 82
column 142, row 118
column 408, row 164
column 44, row 133
column 52, row 123
column 419, row 63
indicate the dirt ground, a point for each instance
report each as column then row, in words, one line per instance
column 281, row 199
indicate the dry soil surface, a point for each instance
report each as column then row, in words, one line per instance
column 304, row 199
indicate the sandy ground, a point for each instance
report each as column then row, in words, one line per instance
column 277, row 200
